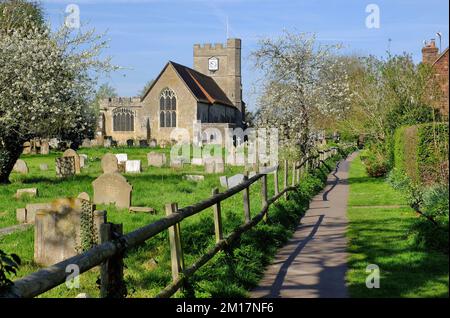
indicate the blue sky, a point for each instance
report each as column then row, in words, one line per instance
column 145, row 34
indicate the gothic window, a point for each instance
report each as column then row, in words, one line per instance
column 168, row 108
column 123, row 119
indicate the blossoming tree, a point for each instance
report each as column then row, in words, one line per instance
column 46, row 83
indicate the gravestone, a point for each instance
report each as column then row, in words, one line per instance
column 72, row 153
column 130, row 142
column 138, row 209
column 84, row 196
column 43, row 167
column 45, row 147
column 112, row 188
column 235, row 180
column 224, row 181
column 153, row 143
column 65, row 167
column 21, row 167
column 143, row 143
column 156, row 159
column 26, row 148
column 133, row 166
column 31, row 192
column 83, row 159
column 122, row 157
column 57, row 234
column 219, row 167
column 110, row 163
column 177, row 162
column 86, row 143
column 214, row 165
column 28, row 214
column 195, row 178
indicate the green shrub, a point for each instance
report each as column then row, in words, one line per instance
column 376, row 161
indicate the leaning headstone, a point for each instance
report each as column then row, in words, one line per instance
column 235, row 180
column 21, row 167
column 110, row 163
column 65, row 167
column 133, row 166
column 122, row 157
column 156, row 159
column 195, row 178
column 224, row 181
column 112, row 188
column 31, row 192
column 58, row 231
column 73, row 153
column 45, row 147
column 43, row 167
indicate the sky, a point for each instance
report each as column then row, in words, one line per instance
column 145, row 34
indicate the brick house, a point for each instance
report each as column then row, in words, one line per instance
column 439, row 62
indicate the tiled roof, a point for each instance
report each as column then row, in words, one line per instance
column 203, row 87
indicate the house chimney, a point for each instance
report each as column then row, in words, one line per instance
column 430, row 52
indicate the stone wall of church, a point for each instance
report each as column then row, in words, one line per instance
column 186, row 105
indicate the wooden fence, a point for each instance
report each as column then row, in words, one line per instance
column 113, row 244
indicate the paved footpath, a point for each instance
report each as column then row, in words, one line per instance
column 314, row 262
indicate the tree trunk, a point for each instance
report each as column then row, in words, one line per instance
column 10, row 151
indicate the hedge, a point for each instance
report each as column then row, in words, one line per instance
column 421, row 152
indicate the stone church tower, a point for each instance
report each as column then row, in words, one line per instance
column 223, row 64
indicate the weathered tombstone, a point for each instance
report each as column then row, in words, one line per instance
column 130, row 142
column 224, row 181
column 156, row 159
column 107, row 143
column 83, row 159
column 65, row 167
column 43, row 167
column 235, row 180
column 195, row 178
column 122, row 157
column 26, row 148
column 177, row 162
column 84, row 196
column 153, row 143
column 219, row 167
column 110, row 163
column 86, row 143
column 31, row 192
column 112, row 188
column 133, row 166
column 73, row 153
column 58, row 232
column 138, row 209
column 27, row 215
column 45, row 147
column 214, row 165
column 209, row 166
column 21, row 167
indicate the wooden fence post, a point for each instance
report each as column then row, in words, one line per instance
column 176, row 252
column 286, row 173
column 112, row 284
column 275, row 180
column 264, row 194
column 246, row 197
column 217, row 218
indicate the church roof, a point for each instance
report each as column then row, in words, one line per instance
column 203, row 87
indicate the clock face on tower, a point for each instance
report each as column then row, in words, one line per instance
column 213, row 64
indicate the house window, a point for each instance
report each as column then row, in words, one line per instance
column 123, row 119
column 168, row 108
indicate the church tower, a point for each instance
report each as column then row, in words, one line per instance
column 223, row 64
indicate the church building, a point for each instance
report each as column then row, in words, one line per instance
column 210, row 94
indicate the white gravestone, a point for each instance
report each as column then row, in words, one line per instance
column 122, row 157
column 133, row 166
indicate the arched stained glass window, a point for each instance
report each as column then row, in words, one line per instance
column 123, row 119
column 168, row 108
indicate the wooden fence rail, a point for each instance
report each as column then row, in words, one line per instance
column 113, row 245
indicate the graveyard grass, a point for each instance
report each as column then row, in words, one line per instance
column 380, row 233
column 147, row 268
